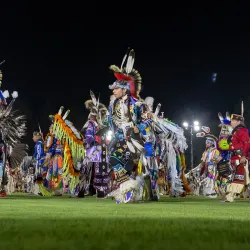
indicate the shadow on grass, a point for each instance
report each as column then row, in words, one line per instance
column 124, row 233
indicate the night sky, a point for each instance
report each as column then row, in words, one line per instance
column 53, row 59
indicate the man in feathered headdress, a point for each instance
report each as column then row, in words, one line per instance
column 94, row 176
column 124, row 118
column 210, row 157
column 239, row 147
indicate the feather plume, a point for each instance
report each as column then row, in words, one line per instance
column 242, row 108
column 228, row 116
column 6, row 94
column 14, row 94
column 66, row 114
column 123, row 60
column 17, row 154
column 157, row 110
column 130, row 61
column 12, row 125
column 220, row 117
column 93, row 98
column 60, row 110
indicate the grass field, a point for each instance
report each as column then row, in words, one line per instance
column 89, row 223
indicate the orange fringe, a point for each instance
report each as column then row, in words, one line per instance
column 185, row 183
column 70, row 163
column 183, row 161
column 58, row 118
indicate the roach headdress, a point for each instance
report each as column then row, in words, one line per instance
column 127, row 77
column 97, row 109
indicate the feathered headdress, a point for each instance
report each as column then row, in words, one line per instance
column 96, row 108
column 127, row 77
column 206, row 134
column 224, row 120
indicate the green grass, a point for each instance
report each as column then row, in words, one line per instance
column 173, row 223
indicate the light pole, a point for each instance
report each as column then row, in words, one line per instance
column 195, row 126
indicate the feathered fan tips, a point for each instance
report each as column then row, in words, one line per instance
column 13, row 128
column 17, row 154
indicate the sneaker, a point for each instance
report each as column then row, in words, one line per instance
column 128, row 197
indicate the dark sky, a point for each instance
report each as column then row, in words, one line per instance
column 54, row 58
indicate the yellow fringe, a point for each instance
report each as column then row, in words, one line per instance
column 139, row 168
column 68, row 164
column 65, row 134
column 43, row 190
column 74, row 181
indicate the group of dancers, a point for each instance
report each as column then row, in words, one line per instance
column 224, row 167
column 127, row 150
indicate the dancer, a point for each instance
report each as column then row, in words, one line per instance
column 94, row 176
column 72, row 141
column 38, row 161
column 239, row 147
column 126, row 146
column 210, row 158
